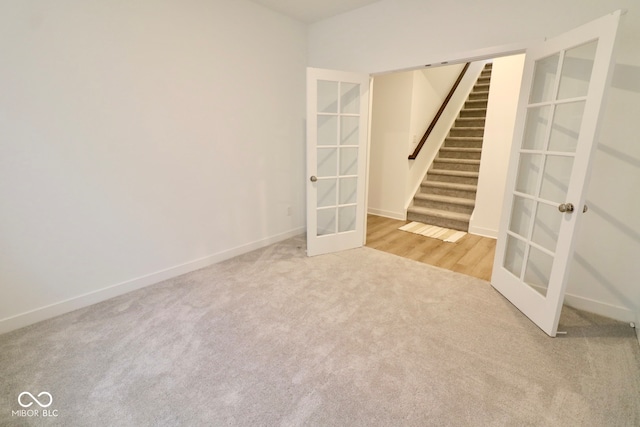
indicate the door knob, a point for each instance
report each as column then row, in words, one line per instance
column 313, row 179
column 566, row 207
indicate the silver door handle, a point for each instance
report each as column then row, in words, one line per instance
column 313, row 179
column 566, row 207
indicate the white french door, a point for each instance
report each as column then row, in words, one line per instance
column 560, row 104
column 337, row 137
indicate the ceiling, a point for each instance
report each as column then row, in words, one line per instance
column 310, row 11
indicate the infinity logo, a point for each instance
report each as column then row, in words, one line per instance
column 34, row 399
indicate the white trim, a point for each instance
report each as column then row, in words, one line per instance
column 467, row 56
column 47, row 312
column 368, row 167
column 638, row 326
column 388, row 214
column 484, row 232
column 611, row 311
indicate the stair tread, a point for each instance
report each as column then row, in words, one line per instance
column 451, row 185
column 468, row 127
column 457, row 216
column 474, row 109
column 464, row 138
column 447, row 199
column 462, row 149
column 467, row 174
column 462, row 161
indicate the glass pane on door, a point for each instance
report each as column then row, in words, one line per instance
column 326, row 222
column 521, row 215
column 327, row 97
column 347, row 218
column 327, row 130
column 544, row 79
column 555, row 180
column 349, row 130
column 514, row 255
column 349, row 98
column 566, row 127
column 538, row 270
column 327, row 162
column 528, row 172
column 546, row 227
column 535, row 130
column 576, row 70
column 327, row 192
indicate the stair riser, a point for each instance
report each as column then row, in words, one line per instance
column 452, row 179
column 451, row 207
column 456, row 166
column 466, row 194
column 466, row 132
column 481, row 87
column 473, row 113
column 479, row 95
column 440, row 222
column 475, row 104
column 485, row 77
column 465, row 143
column 459, row 155
column 470, row 122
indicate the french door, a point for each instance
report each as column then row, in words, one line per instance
column 337, row 137
column 561, row 98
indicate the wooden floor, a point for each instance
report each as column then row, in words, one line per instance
column 471, row 255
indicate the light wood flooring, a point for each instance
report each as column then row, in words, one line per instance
column 472, row 255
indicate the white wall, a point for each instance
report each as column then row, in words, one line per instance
column 140, row 140
column 608, row 247
column 506, row 76
column 390, row 142
column 398, row 34
column 401, row 34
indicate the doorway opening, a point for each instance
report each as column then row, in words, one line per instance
column 389, row 196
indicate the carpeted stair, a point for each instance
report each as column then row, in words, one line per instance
column 446, row 197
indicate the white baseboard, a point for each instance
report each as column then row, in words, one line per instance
column 47, row 312
column 388, row 214
column 638, row 326
column 603, row 309
column 484, row 232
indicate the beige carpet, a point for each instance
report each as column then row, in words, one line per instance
column 360, row 338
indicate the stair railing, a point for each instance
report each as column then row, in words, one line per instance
column 415, row 153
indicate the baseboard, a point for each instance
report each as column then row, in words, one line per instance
column 388, row 214
column 603, row 309
column 484, row 232
column 47, row 312
column 638, row 325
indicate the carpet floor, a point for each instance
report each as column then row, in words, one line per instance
column 359, row 338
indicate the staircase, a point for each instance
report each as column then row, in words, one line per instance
column 447, row 195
